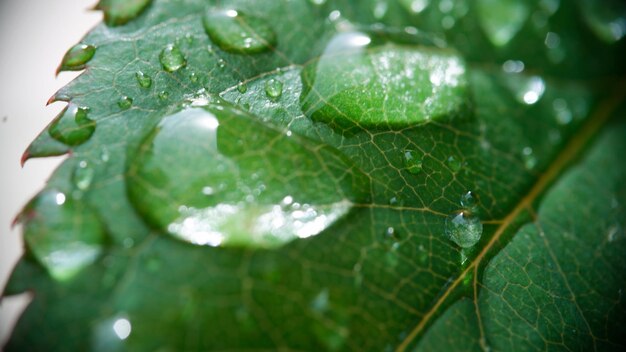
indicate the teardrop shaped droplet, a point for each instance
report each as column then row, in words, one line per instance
column 125, row 102
column 72, row 126
column 76, row 58
column 355, row 82
column 469, row 201
column 63, row 235
column 273, row 88
column 143, row 79
column 83, row 175
column 268, row 204
column 119, row 12
column 412, row 161
column 172, row 59
column 464, row 229
column 501, row 20
column 236, row 32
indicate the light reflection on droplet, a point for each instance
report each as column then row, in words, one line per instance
column 60, row 198
column 513, row 66
column 534, row 90
column 552, row 40
column 122, row 328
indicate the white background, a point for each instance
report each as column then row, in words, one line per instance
column 34, row 35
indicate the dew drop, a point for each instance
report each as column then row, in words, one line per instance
column 464, row 229
column 273, row 89
column 242, row 87
column 83, row 175
column 193, row 77
column 412, row 161
column 236, row 32
column 63, row 253
column 530, row 161
column 76, row 58
column 247, row 211
column 454, row 164
column 164, row 95
column 119, row 12
column 469, row 201
column 172, row 59
column 607, row 19
column 527, row 90
column 125, row 102
column 72, row 126
column 501, row 20
column 513, row 66
column 143, row 79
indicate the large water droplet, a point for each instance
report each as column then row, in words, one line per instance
column 464, row 229
column 83, row 175
column 273, row 89
column 606, row 18
column 412, row 161
column 502, row 19
column 172, row 59
column 236, row 32
column 119, row 12
column 182, row 181
column 358, row 83
column 143, row 79
column 72, row 126
column 63, row 235
column 76, row 58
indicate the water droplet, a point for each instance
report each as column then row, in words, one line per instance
column 104, row 155
column 242, row 87
column 464, row 229
column 163, row 95
column 562, row 112
column 380, row 9
column 273, row 89
column 607, row 19
column 83, row 175
column 125, row 102
column 513, row 66
column 412, row 161
column 76, row 58
column 319, row 304
column 249, row 210
column 469, row 201
column 552, row 40
column 454, row 164
column 502, row 19
column 119, row 12
column 172, row 59
column 72, row 126
column 527, row 90
column 193, row 77
column 63, row 253
column 143, row 79
column 318, row 2
column 415, row 6
column 530, row 161
column 422, row 83
column 236, row 32
column 122, row 328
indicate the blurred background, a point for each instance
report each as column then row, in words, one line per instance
column 34, row 35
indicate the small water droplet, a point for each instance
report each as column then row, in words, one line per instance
column 76, row 58
column 125, row 102
column 63, row 253
column 469, row 201
column 193, row 77
column 104, row 155
column 464, row 229
column 143, row 79
column 454, row 164
column 163, row 95
column 273, row 89
column 501, row 20
column 413, row 161
column 242, row 87
column 72, row 126
column 552, row 40
column 236, row 32
column 319, row 304
column 530, row 161
column 172, row 59
column 83, row 175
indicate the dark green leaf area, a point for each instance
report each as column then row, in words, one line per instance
column 218, row 176
column 64, row 235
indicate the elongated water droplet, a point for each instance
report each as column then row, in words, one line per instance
column 172, row 59
column 258, row 208
column 412, row 161
column 454, row 164
column 76, row 58
column 119, row 12
column 273, row 88
column 464, row 229
column 355, row 79
column 125, row 102
column 72, row 126
column 502, row 19
column 143, row 79
column 236, row 32
column 64, row 236
column 83, row 175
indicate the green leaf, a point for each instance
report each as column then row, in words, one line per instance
column 334, row 175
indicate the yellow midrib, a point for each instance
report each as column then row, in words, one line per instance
column 567, row 155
